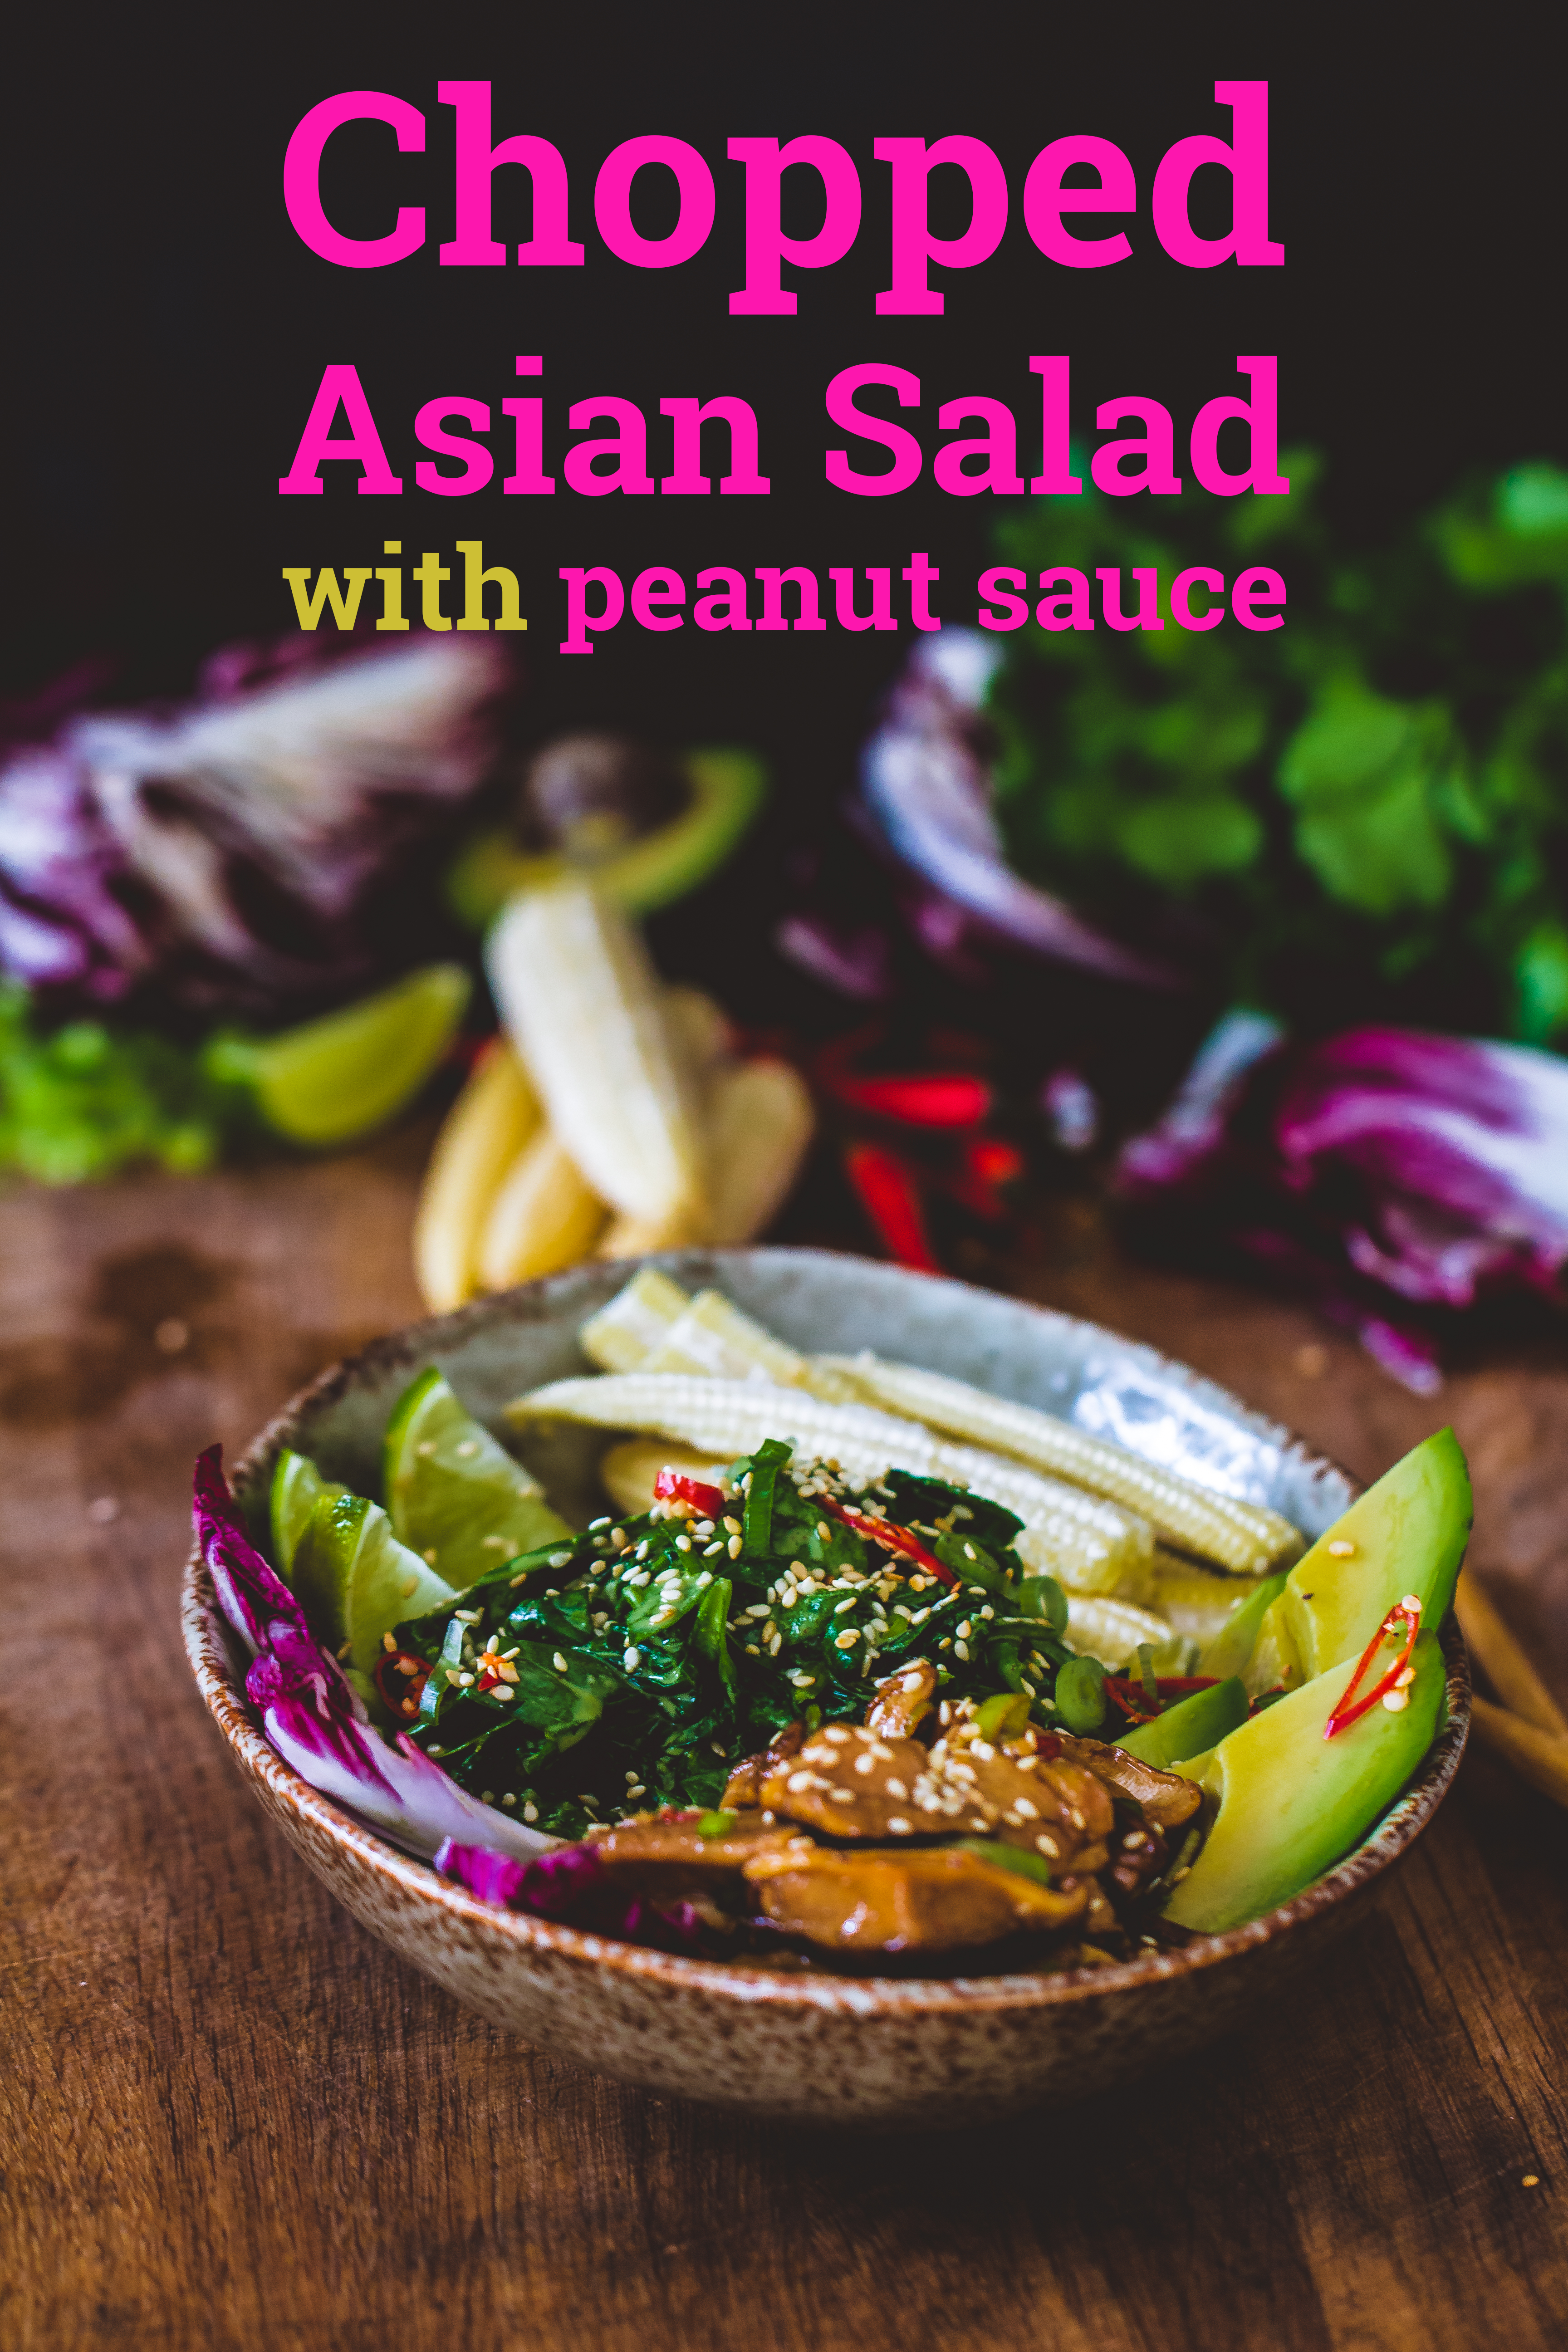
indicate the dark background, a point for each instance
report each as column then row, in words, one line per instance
column 168, row 329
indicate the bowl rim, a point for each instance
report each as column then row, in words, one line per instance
column 205, row 1642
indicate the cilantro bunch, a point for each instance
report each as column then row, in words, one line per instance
column 1363, row 814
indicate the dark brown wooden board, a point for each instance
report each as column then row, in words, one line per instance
column 228, row 2118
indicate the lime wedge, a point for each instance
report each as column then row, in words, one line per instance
column 356, row 1580
column 332, row 1079
column 297, row 1486
column 455, row 1496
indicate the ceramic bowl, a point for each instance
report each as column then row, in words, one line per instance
column 847, row 2051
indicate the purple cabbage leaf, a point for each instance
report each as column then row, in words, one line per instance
column 312, row 1713
column 230, row 851
column 1382, row 1170
column 924, row 793
column 573, row 1886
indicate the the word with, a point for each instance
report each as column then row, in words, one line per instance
column 430, row 573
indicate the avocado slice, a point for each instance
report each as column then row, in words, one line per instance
column 1195, row 1724
column 1291, row 1803
column 1231, row 1650
column 726, row 788
column 1407, row 1534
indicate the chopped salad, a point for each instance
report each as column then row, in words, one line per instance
column 829, row 1708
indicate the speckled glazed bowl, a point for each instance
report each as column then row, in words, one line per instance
column 866, row 2051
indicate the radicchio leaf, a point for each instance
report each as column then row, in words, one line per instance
column 572, row 1885
column 230, row 851
column 1380, row 1165
column 310, row 1712
column 925, row 794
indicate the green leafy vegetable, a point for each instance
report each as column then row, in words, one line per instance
column 1360, row 815
column 597, row 1674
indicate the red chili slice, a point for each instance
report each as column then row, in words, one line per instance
column 891, row 1539
column 890, row 1198
column 669, row 1486
column 1131, row 1698
column 1408, row 1611
column 941, row 1098
column 403, row 1697
column 987, row 1163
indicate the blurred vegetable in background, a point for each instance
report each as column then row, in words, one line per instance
column 1360, row 815
column 238, row 855
column 1380, row 1170
column 282, row 844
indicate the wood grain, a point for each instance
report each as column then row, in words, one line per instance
column 229, row 2118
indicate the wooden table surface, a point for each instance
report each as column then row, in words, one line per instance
column 229, row 2117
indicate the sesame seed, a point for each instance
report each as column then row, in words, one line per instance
column 1396, row 1701
column 1342, row 1549
column 387, row 1643
column 1412, row 1602
column 1531, row 2181
column 900, row 1827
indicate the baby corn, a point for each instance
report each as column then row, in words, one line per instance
column 712, row 1338
column 543, row 1218
column 760, row 1124
column 1244, row 1538
column 1089, row 1545
column 581, row 1003
column 699, row 1033
column 625, row 1333
column 1197, row 1601
column 1111, row 1631
column 484, row 1132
